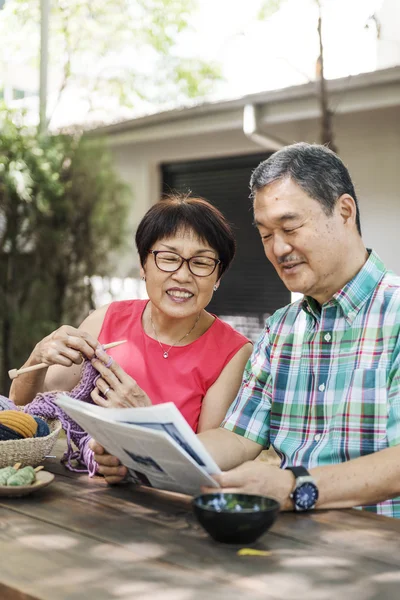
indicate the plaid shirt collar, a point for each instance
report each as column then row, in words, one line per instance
column 355, row 293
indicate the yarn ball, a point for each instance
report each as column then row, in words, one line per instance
column 23, row 424
column 6, row 433
column 43, row 405
column 6, row 404
column 42, row 428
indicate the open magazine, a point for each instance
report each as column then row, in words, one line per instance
column 155, row 442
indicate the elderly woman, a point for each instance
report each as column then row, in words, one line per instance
column 175, row 350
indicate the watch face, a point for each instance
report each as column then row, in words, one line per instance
column 305, row 496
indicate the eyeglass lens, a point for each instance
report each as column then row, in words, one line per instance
column 198, row 265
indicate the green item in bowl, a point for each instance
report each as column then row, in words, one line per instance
column 24, row 476
column 5, row 474
column 235, row 518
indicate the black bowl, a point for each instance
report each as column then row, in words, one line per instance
column 235, row 518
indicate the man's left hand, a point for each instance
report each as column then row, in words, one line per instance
column 256, row 477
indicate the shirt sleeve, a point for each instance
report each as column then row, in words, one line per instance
column 393, row 424
column 249, row 413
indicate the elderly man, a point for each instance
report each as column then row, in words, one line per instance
column 322, row 384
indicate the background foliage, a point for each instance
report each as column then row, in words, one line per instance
column 111, row 54
column 62, row 213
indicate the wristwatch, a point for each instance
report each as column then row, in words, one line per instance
column 305, row 493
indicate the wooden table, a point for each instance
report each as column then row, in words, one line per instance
column 79, row 539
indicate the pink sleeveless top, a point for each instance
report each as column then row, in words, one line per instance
column 189, row 371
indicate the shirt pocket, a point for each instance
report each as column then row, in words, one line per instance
column 359, row 421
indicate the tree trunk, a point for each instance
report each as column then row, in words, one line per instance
column 326, row 134
column 6, row 329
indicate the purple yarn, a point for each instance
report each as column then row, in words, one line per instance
column 6, row 404
column 43, row 405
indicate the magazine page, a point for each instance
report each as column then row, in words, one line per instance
column 153, row 457
column 166, row 417
column 161, row 417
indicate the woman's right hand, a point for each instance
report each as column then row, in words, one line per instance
column 65, row 346
column 62, row 352
column 108, row 465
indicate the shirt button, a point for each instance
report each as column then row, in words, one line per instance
column 327, row 337
column 321, row 387
column 317, row 437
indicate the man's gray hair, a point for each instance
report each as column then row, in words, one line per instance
column 317, row 170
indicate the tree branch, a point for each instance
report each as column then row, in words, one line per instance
column 326, row 113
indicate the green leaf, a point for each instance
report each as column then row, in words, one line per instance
column 269, row 8
column 107, row 49
column 63, row 212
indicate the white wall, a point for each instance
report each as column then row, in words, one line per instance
column 370, row 146
column 388, row 44
column 140, row 167
column 368, row 142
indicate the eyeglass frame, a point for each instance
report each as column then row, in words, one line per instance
column 217, row 262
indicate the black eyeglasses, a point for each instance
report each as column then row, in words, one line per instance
column 201, row 266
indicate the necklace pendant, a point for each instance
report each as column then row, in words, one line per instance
column 165, row 352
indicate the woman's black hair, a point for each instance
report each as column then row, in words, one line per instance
column 177, row 212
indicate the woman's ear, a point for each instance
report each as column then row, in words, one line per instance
column 142, row 274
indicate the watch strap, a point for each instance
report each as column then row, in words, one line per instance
column 298, row 471
column 302, row 478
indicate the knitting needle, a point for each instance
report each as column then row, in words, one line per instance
column 13, row 373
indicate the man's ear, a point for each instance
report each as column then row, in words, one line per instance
column 347, row 209
column 142, row 273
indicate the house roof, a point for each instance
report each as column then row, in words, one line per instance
column 377, row 89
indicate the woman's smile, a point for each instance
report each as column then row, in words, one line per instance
column 179, row 294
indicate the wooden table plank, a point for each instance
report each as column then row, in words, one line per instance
column 51, row 563
column 122, row 542
column 137, row 527
column 58, row 562
column 347, row 530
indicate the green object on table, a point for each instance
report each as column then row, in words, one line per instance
column 5, row 474
column 23, row 476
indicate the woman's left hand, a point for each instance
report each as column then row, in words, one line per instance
column 115, row 388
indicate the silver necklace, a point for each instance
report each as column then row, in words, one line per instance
column 166, row 352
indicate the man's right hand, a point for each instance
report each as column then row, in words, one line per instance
column 109, row 465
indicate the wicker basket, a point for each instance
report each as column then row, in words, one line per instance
column 29, row 451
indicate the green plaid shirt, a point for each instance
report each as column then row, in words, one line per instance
column 323, row 383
